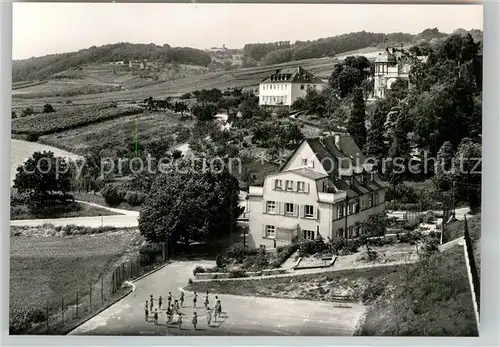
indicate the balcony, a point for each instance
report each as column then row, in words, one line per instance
column 255, row 191
column 331, row 198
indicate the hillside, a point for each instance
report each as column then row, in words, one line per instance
column 38, row 68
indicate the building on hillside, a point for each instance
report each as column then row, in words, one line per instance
column 285, row 86
column 137, row 64
column 325, row 187
column 390, row 65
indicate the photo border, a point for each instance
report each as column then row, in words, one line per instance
column 490, row 210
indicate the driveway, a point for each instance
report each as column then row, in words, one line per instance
column 243, row 315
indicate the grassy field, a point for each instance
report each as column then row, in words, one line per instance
column 46, row 270
column 427, row 298
column 76, row 209
column 114, row 134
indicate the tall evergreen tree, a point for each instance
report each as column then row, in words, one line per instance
column 356, row 126
column 375, row 146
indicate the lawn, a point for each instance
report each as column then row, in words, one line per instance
column 46, row 270
column 428, row 298
column 67, row 210
column 114, row 134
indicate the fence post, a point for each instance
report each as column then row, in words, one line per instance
column 62, row 309
column 77, row 303
column 131, row 269
column 102, row 288
column 90, row 287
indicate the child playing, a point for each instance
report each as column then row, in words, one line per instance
column 209, row 318
column 179, row 320
column 195, row 298
column 195, row 320
column 151, row 302
column 160, row 301
column 206, row 302
column 146, row 312
column 155, row 317
column 182, row 299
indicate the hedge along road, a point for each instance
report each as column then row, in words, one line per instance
column 242, row 315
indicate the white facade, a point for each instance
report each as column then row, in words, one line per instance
column 302, row 200
column 287, row 86
column 389, row 66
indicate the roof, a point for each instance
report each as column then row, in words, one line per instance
column 309, row 173
column 293, row 75
column 340, row 155
column 386, row 57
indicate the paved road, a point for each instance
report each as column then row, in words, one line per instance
column 244, row 315
column 123, row 219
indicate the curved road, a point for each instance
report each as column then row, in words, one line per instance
column 243, row 315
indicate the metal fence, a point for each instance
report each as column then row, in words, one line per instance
column 61, row 316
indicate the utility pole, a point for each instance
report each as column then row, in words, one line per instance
column 453, row 196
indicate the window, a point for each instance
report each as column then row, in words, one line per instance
column 301, row 186
column 309, row 211
column 340, row 232
column 308, row 234
column 362, row 204
column 288, row 208
column 289, row 185
column 350, row 231
column 371, row 177
column 301, row 86
column 375, row 198
column 362, row 178
column 370, row 201
column 277, row 184
column 271, row 207
column 340, row 211
column 304, row 162
column 270, row 231
column 350, row 208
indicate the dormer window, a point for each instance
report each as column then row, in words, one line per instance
column 304, row 162
column 277, row 184
column 289, row 185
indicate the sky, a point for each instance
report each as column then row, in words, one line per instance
column 48, row 28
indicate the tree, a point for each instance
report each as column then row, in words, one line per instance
column 444, row 167
column 399, row 149
column 204, row 111
column 43, row 177
column 399, row 89
column 375, row 146
column 180, row 107
column 189, row 207
column 356, row 126
column 47, row 108
column 28, row 111
column 13, row 115
column 467, row 171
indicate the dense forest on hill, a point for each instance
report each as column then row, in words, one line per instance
column 42, row 67
column 254, row 54
column 284, row 51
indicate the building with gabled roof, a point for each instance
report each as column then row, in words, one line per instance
column 326, row 186
column 286, row 85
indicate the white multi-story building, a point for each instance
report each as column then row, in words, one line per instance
column 389, row 66
column 285, row 86
column 324, row 187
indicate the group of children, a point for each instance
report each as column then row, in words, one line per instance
column 173, row 309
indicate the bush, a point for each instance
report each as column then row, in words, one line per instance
column 199, row 270
column 32, row 137
column 220, row 261
column 112, row 194
column 237, row 273
column 20, row 319
column 47, row 108
column 135, row 198
column 284, row 252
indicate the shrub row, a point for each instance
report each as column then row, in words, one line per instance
column 114, row 194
